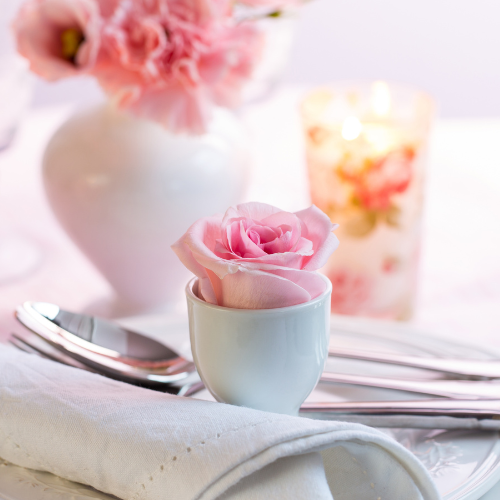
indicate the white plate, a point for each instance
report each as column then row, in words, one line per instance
column 464, row 464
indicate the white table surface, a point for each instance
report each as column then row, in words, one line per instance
column 459, row 294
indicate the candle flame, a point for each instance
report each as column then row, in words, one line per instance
column 351, row 128
column 381, row 99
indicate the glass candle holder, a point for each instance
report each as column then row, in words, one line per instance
column 366, row 149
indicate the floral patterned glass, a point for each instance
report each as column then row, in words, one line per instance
column 366, row 151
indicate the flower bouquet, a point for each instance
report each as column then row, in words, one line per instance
column 169, row 61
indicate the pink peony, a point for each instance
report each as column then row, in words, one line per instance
column 60, row 38
column 172, row 60
column 257, row 256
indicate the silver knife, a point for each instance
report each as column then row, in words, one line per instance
column 430, row 413
column 465, row 368
column 456, row 389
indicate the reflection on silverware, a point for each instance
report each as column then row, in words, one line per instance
column 457, row 389
column 440, row 413
column 105, row 346
column 33, row 344
column 464, row 368
column 443, row 413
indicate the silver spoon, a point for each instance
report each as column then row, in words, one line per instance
column 105, row 346
column 32, row 344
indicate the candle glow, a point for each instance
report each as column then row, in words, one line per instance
column 365, row 169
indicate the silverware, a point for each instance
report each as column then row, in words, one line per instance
column 36, row 345
column 465, row 368
column 32, row 344
column 432, row 413
column 445, row 388
column 105, row 346
column 125, row 355
column 442, row 413
column 456, row 389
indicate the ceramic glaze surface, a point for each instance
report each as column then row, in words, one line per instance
column 267, row 359
column 125, row 189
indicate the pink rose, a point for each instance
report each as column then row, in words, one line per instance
column 257, row 256
column 60, row 38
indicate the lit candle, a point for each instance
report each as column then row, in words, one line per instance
column 365, row 149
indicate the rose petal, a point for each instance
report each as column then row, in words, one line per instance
column 248, row 249
column 260, row 290
column 312, row 282
column 206, row 291
column 285, row 218
column 230, row 215
column 287, row 259
column 304, row 247
column 256, row 211
column 266, row 234
column 319, row 231
column 194, row 249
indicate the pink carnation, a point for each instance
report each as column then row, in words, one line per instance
column 171, row 60
column 40, row 26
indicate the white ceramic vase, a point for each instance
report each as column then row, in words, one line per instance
column 266, row 359
column 125, row 189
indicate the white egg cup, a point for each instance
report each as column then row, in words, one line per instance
column 266, row 359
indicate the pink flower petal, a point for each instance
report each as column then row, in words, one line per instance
column 194, row 249
column 206, row 291
column 248, row 249
column 319, row 231
column 172, row 61
column 260, row 290
column 304, row 247
column 38, row 27
column 256, row 211
column 286, row 219
column 312, row 282
column 287, row 259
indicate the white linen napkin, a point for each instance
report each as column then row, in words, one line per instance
column 139, row 444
